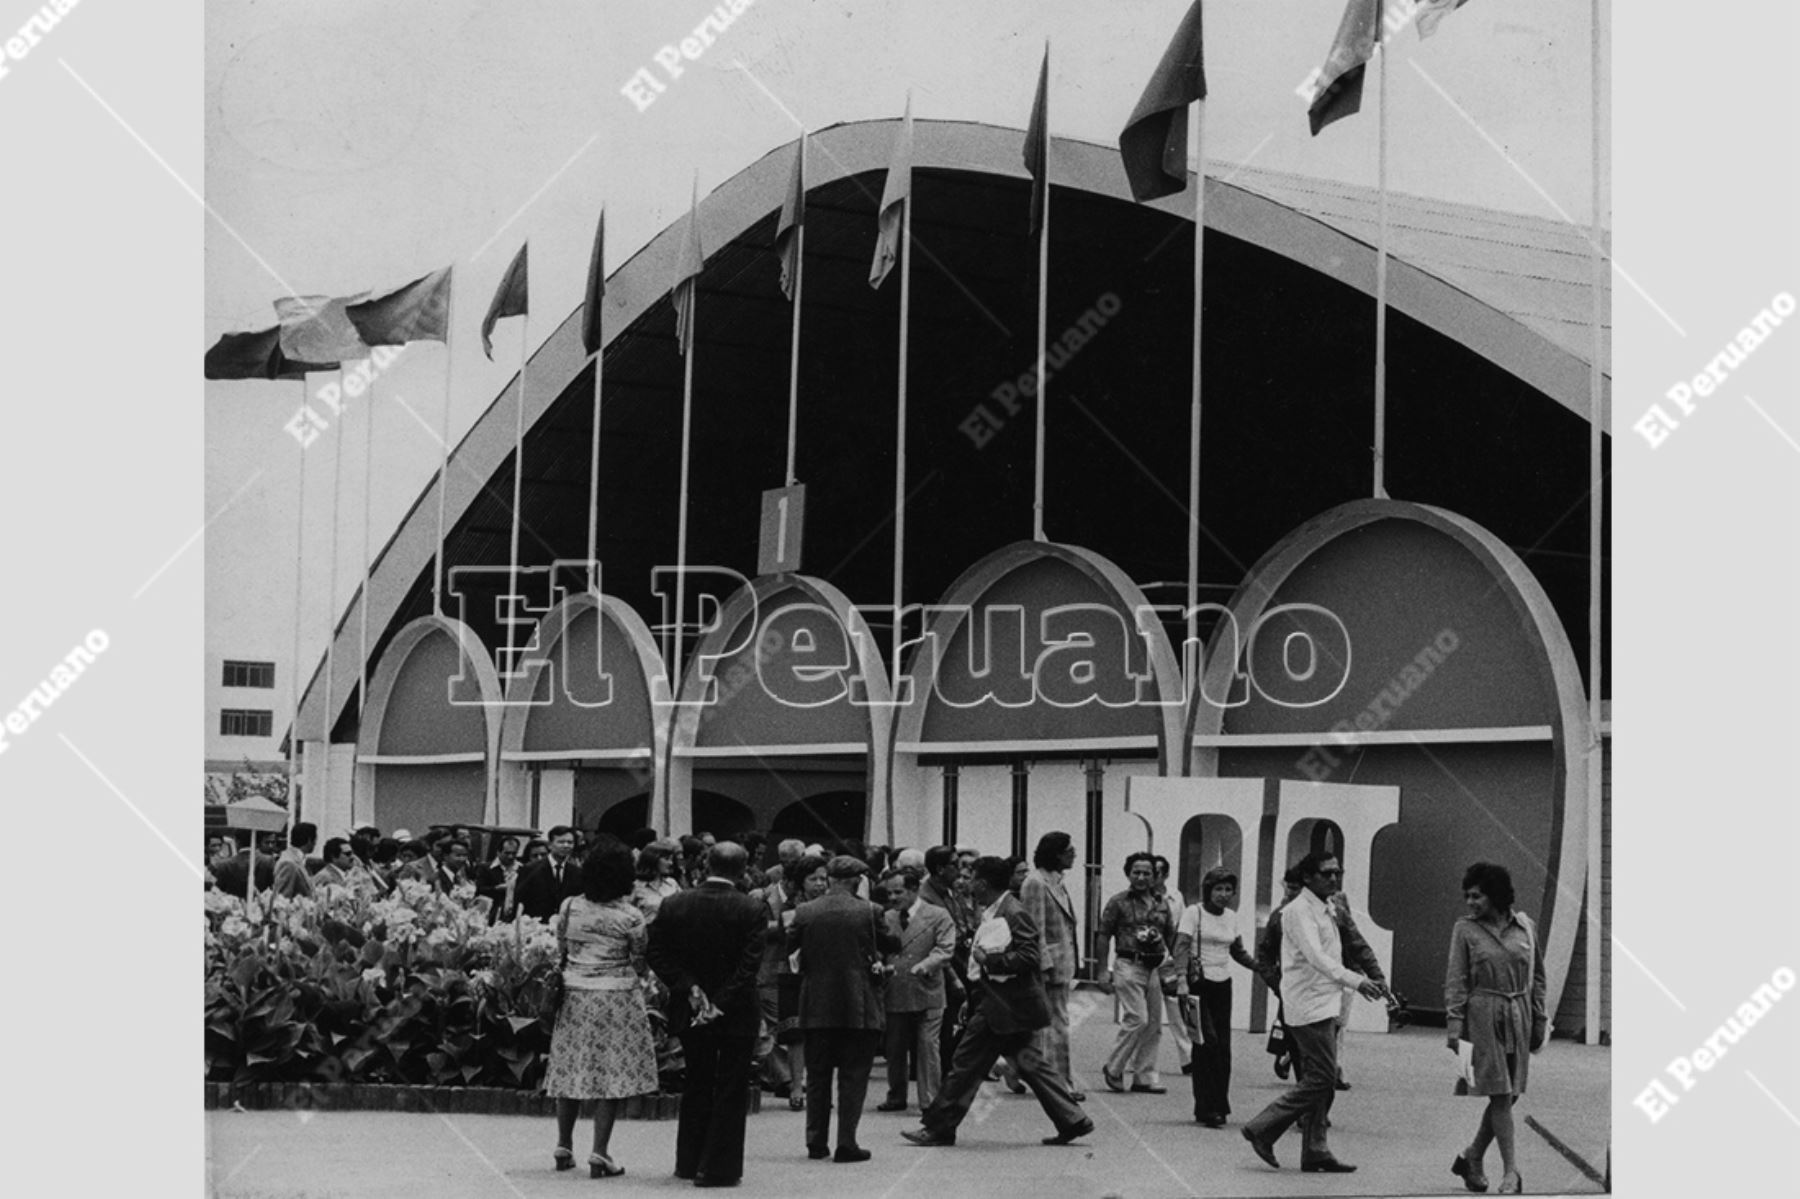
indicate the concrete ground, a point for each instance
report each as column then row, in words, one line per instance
column 1400, row 1124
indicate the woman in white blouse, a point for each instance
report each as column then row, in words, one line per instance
column 1206, row 943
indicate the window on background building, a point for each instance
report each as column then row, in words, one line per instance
column 249, row 674
column 246, row 722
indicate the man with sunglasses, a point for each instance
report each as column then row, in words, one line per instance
column 1313, row 980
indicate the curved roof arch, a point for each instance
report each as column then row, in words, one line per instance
column 1504, row 308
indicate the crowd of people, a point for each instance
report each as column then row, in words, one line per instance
column 954, row 966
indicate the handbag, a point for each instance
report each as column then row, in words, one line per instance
column 554, row 987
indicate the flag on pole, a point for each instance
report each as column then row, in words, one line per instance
column 315, row 328
column 687, row 274
column 420, row 311
column 1430, row 12
column 1037, row 144
column 895, row 195
column 596, row 289
column 793, row 215
column 257, row 356
column 1340, row 80
column 510, row 300
column 1153, row 143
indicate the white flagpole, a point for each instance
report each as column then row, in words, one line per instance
column 513, row 606
column 593, row 532
column 438, row 568
column 294, row 674
column 1043, row 321
column 900, row 430
column 1596, row 529
column 1381, row 157
column 681, row 520
column 362, row 654
column 331, row 574
column 1193, row 576
column 794, row 352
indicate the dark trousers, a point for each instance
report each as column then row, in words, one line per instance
column 976, row 1052
column 709, row 1140
column 850, row 1052
column 1212, row 1061
column 1308, row 1102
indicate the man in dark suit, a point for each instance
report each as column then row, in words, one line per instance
column 1009, row 1006
column 542, row 888
column 915, row 990
column 706, row 944
column 840, row 939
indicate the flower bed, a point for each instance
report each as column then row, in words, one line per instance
column 416, row 989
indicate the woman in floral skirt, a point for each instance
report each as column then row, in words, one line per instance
column 601, row 1047
column 1494, row 1000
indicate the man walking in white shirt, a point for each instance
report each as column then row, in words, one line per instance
column 1313, row 979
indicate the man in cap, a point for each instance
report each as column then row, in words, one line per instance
column 841, row 940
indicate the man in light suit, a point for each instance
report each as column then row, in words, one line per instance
column 1047, row 900
column 706, row 944
column 841, row 939
column 915, row 990
column 291, row 878
column 1009, row 1006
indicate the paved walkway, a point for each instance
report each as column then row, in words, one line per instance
column 1399, row 1123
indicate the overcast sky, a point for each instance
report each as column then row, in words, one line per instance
column 353, row 145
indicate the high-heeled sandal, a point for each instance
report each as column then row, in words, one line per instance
column 565, row 1158
column 1471, row 1174
column 601, row 1166
column 1512, row 1184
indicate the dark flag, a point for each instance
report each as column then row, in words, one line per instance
column 1153, row 143
column 512, row 299
column 257, row 356
column 1037, row 145
column 1340, row 80
column 793, row 215
column 596, row 289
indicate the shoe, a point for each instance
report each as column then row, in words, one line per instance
column 1078, row 1096
column 1327, row 1165
column 926, row 1138
column 1210, row 1121
column 796, row 1103
column 1263, row 1149
column 1114, row 1082
column 601, row 1166
column 1063, row 1138
column 704, row 1181
column 783, row 1090
column 685, row 1175
column 1283, row 1065
column 565, row 1158
column 891, row 1106
column 818, row 1152
column 851, row 1153
column 1188, row 1068
column 1342, row 1085
column 1512, row 1184
column 1471, row 1175
column 1014, row 1085
column 1145, row 1088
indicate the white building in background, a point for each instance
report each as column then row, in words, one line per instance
column 247, row 714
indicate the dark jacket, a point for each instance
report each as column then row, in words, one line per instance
column 712, row 935
column 536, row 892
column 1016, row 1003
column 837, row 936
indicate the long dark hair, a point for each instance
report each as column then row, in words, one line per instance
column 606, row 872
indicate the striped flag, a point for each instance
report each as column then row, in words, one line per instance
column 895, row 195
column 687, row 275
column 511, row 299
column 420, row 311
column 793, row 215
column 1037, row 144
column 596, row 290
column 1340, row 80
column 1153, row 144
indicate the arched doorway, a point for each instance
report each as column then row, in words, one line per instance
column 829, row 819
